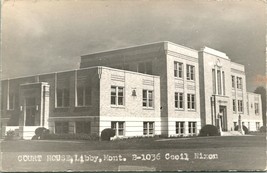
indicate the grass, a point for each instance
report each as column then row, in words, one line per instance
column 241, row 153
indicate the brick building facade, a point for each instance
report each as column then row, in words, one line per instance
column 155, row 89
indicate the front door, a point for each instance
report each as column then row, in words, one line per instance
column 30, row 108
column 223, row 118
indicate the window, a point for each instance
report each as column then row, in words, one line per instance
column 118, row 126
column 180, row 128
column 145, row 67
column 147, row 98
column 219, row 82
column 62, row 97
column 11, row 101
column 223, row 83
column 192, row 128
column 239, row 82
column 248, row 108
column 240, row 106
column 235, row 124
column 234, row 105
column 233, row 81
column 256, row 105
column 148, row 128
column 179, row 100
column 84, row 96
column 61, row 127
column 190, row 72
column 213, row 81
column 117, row 95
column 83, row 127
column 191, row 102
column 178, row 69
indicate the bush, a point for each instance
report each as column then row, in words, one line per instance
column 40, row 133
column 209, row 130
column 77, row 136
column 245, row 129
column 106, row 134
column 10, row 134
column 263, row 129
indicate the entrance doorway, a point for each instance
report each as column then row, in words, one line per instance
column 30, row 112
column 223, row 117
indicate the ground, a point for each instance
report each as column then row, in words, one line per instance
column 198, row 153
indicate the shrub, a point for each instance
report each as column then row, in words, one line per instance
column 68, row 136
column 10, row 134
column 209, row 130
column 106, row 134
column 40, row 132
column 263, row 129
column 35, row 137
column 245, row 129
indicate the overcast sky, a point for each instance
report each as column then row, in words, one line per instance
column 41, row 36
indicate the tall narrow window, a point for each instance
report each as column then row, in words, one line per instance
column 84, row 96
column 191, row 102
column 147, row 98
column 239, row 82
column 233, row 81
column 62, row 97
column 256, row 105
column 11, row 103
column 148, row 128
column 219, row 82
column 240, row 106
column 213, row 81
column 223, row 83
column 190, row 72
column 117, row 95
column 178, row 69
column 179, row 100
column 234, row 106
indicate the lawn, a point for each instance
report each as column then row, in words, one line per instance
column 241, row 153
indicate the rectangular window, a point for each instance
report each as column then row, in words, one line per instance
column 62, row 97
column 11, row 101
column 84, row 96
column 117, row 95
column 190, row 72
column 223, row 83
column 180, row 128
column 83, row 127
column 233, row 81
column 119, row 127
column 192, row 128
column 191, row 101
column 61, row 127
column 240, row 106
column 148, row 128
column 234, row 105
column 179, row 100
column 239, row 82
column 213, row 81
column 219, row 82
column 147, row 98
column 248, row 107
column 178, row 69
column 256, row 105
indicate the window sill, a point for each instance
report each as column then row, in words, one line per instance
column 179, row 78
column 86, row 106
column 117, row 106
column 148, row 108
column 191, row 110
column 192, row 81
column 177, row 109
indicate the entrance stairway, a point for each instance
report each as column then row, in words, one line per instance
column 231, row 133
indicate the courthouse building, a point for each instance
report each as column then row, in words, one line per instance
column 154, row 89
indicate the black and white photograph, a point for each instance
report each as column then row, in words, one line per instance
column 133, row 85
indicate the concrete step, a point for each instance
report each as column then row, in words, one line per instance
column 231, row 133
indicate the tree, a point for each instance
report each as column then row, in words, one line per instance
column 262, row 91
